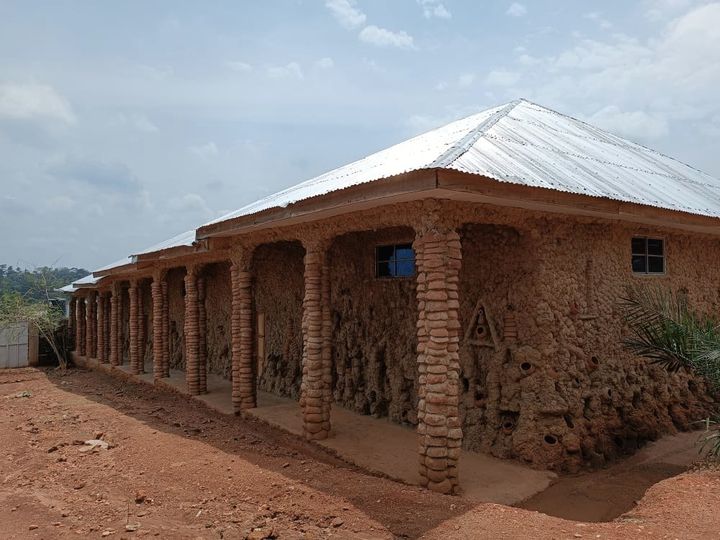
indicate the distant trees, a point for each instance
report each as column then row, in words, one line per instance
column 27, row 296
column 35, row 284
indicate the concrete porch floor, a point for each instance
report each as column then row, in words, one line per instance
column 373, row 444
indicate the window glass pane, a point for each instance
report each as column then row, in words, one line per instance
column 384, row 269
column 404, row 252
column 638, row 246
column 655, row 246
column 639, row 263
column 385, row 253
column 656, row 265
column 405, row 268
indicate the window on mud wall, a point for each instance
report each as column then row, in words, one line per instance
column 648, row 255
column 394, row 261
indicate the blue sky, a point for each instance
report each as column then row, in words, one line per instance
column 125, row 123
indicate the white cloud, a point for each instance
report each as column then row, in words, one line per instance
column 516, row 10
column 325, row 63
column 386, row 38
column 346, row 13
column 631, row 124
column 61, row 203
column 136, row 121
column 242, row 67
column 501, row 77
column 434, row 8
column 26, row 101
column 599, row 19
column 291, row 69
column 466, row 79
column 662, row 9
column 190, row 202
column 670, row 78
column 205, row 151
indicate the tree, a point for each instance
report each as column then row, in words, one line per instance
column 34, row 307
column 667, row 331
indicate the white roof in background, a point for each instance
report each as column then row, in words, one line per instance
column 116, row 264
column 524, row 143
column 67, row 288
column 183, row 239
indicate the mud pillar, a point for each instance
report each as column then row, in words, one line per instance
column 141, row 329
column 438, row 257
column 114, row 305
column 165, row 329
column 72, row 318
column 79, row 342
column 158, row 306
column 202, row 337
column 191, row 331
column 315, row 388
column 101, row 328
column 243, row 375
column 133, row 324
column 89, row 324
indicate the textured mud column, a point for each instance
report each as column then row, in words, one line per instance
column 158, row 307
column 89, row 325
column 101, row 328
column 72, row 318
column 165, row 329
column 438, row 256
column 315, row 388
column 134, row 345
column 202, row 337
column 79, row 340
column 114, row 321
column 243, row 375
column 141, row 330
column 191, row 331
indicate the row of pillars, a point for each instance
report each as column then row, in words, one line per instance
column 438, row 258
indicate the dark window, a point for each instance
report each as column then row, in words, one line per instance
column 395, row 261
column 648, row 255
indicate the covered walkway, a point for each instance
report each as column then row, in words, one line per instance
column 376, row 445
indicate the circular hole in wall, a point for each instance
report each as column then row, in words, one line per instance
column 609, row 392
column 569, row 421
column 525, row 366
column 508, row 425
column 594, row 360
column 550, row 439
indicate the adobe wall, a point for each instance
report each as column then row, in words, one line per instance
column 278, row 286
column 564, row 392
column 374, row 338
column 176, row 308
column 218, row 302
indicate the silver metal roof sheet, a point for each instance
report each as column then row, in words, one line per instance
column 527, row 144
column 183, row 239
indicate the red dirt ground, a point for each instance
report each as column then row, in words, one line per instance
column 178, row 470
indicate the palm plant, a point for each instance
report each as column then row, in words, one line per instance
column 668, row 332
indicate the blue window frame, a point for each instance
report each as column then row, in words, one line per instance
column 394, row 261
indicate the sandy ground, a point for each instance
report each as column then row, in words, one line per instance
column 174, row 469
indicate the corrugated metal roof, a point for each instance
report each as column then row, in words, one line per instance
column 116, row 264
column 183, row 239
column 524, row 143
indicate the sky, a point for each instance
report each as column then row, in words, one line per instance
column 125, row 123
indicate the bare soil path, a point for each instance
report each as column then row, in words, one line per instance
column 174, row 469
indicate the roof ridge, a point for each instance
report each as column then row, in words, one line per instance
column 463, row 145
